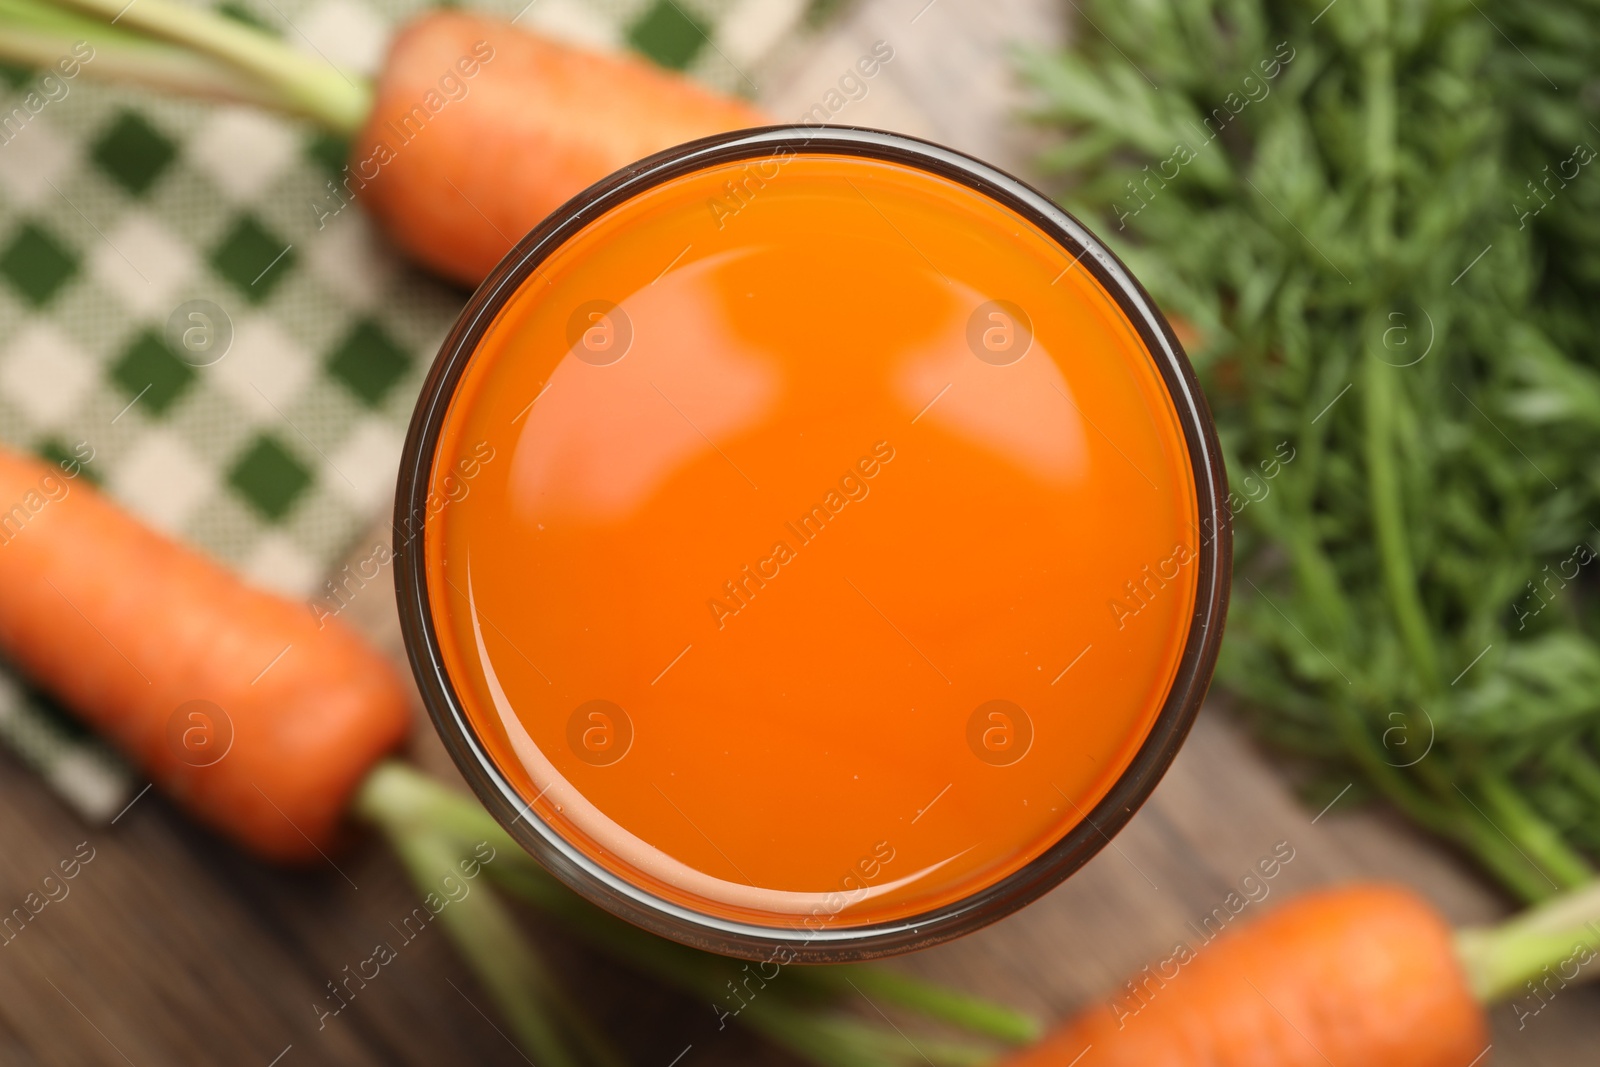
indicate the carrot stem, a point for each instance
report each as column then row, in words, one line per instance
column 690, row 971
column 291, row 80
column 841, row 1041
column 1475, row 831
column 1547, row 850
column 707, row 976
column 1561, row 935
column 1500, row 856
column 1579, row 768
column 500, row 955
column 1389, row 522
column 818, row 1036
column 39, row 35
column 969, row 1013
column 1440, row 810
column 398, row 796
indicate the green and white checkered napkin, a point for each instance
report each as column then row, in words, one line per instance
column 118, row 206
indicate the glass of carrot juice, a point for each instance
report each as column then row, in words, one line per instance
column 811, row 544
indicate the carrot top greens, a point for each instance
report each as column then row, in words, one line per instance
column 1380, row 218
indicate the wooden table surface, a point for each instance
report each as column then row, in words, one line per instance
column 173, row 949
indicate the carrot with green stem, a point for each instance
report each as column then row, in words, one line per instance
column 271, row 724
column 1367, row 975
column 474, row 131
column 256, row 717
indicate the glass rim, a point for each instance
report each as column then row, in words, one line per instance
column 801, row 943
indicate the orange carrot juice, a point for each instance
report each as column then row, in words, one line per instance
column 825, row 545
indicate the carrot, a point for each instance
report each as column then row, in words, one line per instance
column 1365, row 976
column 538, row 123
column 127, row 628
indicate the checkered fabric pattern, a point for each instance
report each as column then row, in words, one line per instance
column 118, row 206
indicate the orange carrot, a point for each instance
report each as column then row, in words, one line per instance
column 538, row 123
column 1364, row 976
column 127, row 628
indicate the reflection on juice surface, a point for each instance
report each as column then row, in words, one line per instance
column 837, row 552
